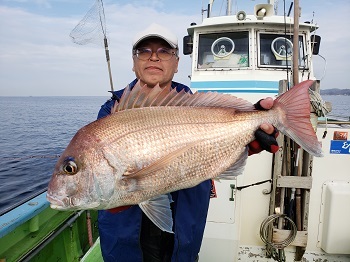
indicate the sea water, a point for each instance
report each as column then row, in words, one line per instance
column 35, row 131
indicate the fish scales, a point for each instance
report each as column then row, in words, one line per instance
column 211, row 130
column 139, row 155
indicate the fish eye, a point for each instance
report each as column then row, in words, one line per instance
column 70, row 167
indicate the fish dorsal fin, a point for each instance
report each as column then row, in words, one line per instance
column 123, row 99
column 138, row 96
column 143, row 96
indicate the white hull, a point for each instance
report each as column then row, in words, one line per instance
column 232, row 230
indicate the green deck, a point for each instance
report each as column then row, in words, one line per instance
column 51, row 235
column 94, row 253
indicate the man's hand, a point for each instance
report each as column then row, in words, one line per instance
column 266, row 134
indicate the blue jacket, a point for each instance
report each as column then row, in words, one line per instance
column 120, row 232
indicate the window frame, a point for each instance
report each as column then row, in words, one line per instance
column 219, row 35
column 302, row 51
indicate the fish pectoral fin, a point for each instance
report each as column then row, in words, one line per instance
column 159, row 212
column 159, row 164
column 237, row 168
column 130, row 171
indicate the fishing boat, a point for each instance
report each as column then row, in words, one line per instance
column 285, row 207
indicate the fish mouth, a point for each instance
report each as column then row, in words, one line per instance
column 56, row 203
column 67, row 204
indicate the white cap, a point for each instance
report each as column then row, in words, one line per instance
column 158, row 31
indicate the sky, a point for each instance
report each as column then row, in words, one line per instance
column 38, row 58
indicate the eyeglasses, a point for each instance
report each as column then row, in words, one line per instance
column 164, row 54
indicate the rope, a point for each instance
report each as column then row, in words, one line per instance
column 89, row 229
column 318, row 104
column 320, row 108
column 275, row 249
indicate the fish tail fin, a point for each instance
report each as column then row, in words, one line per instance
column 296, row 124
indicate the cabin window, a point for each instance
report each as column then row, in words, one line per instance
column 276, row 50
column 223, row 50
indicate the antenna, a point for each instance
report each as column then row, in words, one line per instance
column 92, row 29
column 276, row 7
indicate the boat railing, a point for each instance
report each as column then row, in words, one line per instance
column 21, row 202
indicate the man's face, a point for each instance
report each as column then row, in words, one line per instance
column 154, row 70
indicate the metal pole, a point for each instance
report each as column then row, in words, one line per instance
column 303, row 155
column 109, row 64
column 296, row 44
column 295, row 82
column 229, row 7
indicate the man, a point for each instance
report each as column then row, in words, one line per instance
column 126, row 234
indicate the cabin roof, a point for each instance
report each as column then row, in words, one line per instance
column 250, row 21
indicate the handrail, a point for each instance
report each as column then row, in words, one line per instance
column 8, row 209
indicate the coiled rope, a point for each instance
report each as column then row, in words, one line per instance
column 320, row 107
column 276, row 249
column 318, row 104
column 268, row 223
